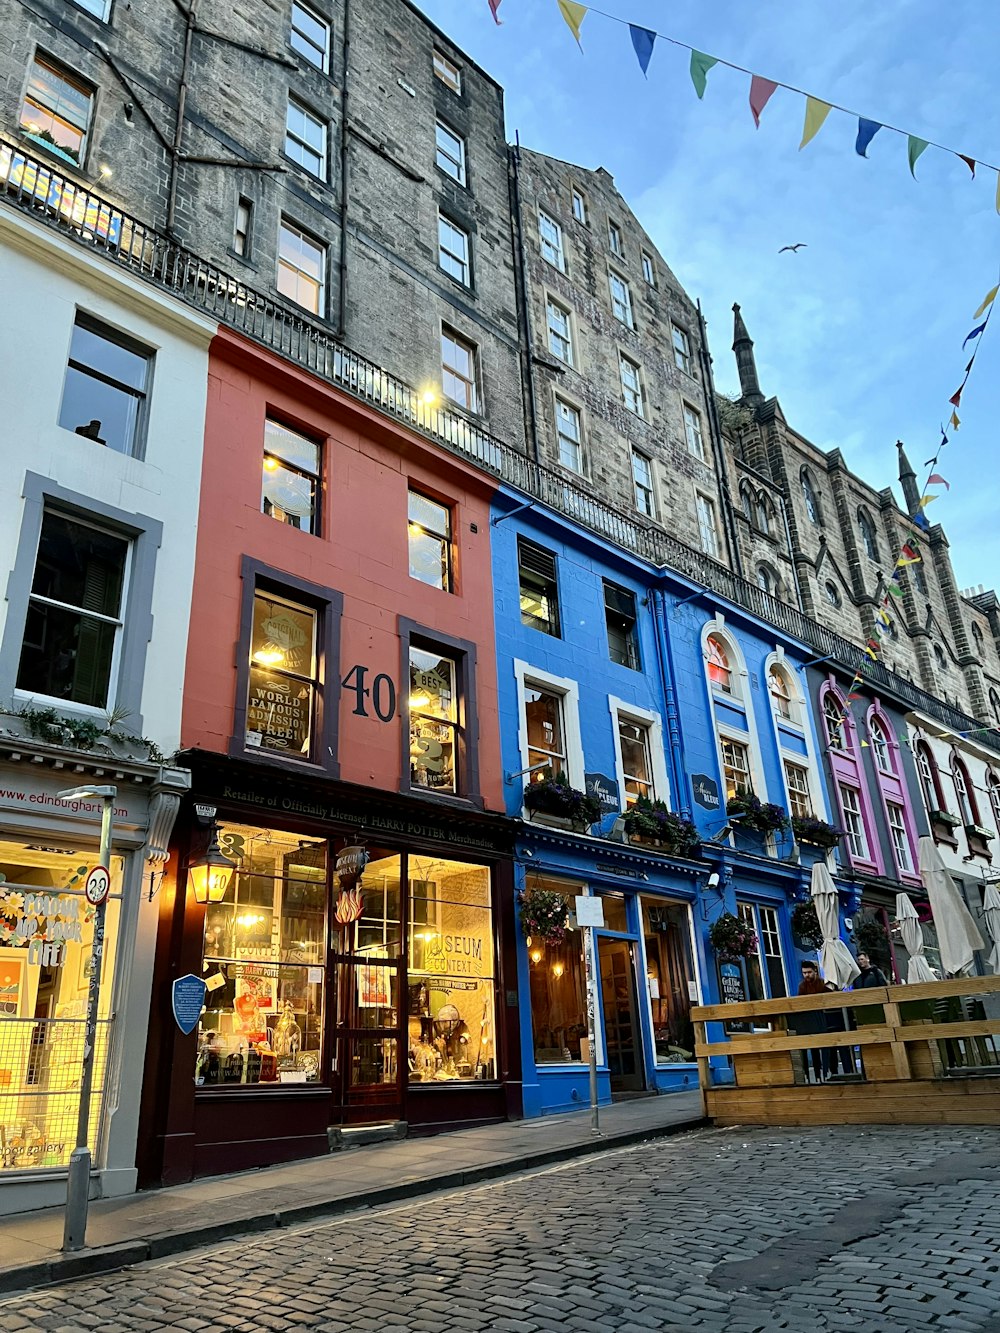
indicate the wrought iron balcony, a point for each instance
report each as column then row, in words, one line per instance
column 39, row 188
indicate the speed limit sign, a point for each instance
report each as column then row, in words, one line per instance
column 97, row 886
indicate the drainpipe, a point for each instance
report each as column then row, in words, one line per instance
column 665, row 661
column 178, row 143
column 718, row 453
column 345, row 56
column 521, row 294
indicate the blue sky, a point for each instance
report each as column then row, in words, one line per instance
column 860, row 334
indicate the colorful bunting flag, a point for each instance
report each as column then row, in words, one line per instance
column 761, row 92
column 867, row 130
column 956, row 397
column 574, row 15
column 494, row 6
column 987, row 300
column 970, row 162
column 914, row 147
column 895, row 590
column 936, row 479
column 921, row 522
column 700, row 65
column 865, row 745
column 642, row 42
column 816, row 113
column 925, row 500
column 955, row 422
column 974, row 333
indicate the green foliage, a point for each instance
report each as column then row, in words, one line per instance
column 652, row 819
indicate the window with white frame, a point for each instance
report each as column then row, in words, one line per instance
column 57, row 109
column 880, row 745
column 579, row 206
column 448, row 72
column 621, row 300
column 560, row 331
column 310, row 36
column 243, row 227
column 765, row 966
column 720, row 672
column 963, row 791
column 551, row 238
column 707, row 530
column 458, row 369
column 682, row 349
column 648, row 269
column 854, row 823
column 637, row 769
column 301, row 267
column 642, row 481
column 631, row 381
column 105, row 393
column 305, row 139
column 927, row 773
column 896, row 819
column 76, row 608
column 735, row 767
column 781, row 697
column 692, row 433
column 799, row 798
column 569, row 431
column 615, row 239
column 99, row 8
column 290, row 477
column 449, row 152
column 993, row 787
column 453, row 250
column 835, row 721
column 543, row 715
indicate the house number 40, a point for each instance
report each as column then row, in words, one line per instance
column 382, row 693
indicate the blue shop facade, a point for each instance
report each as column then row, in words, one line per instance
column 644, row 690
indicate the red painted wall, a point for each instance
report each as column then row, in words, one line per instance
column 369, row 463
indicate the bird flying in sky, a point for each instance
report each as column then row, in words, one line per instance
column 799, row 245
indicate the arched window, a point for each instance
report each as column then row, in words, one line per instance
column 781, row 695
column 920, row 579
column 832, row 593
column 880, row 745
column 868, row 539
column 764, row 579
column 763, row 515
column 939, row 657
column 995, row 705
column 963, row 791
column 746, row 500
column 720, row 673
column 809, row 495
column 836, row 721
column 977, row 638
column 928, row 774
column 993, row 787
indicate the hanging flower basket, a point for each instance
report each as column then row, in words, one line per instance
column 732, row 938
column 652, row 821
column 806, row 927
column 551, row 794
column 543, row 915
column 816, row 832
column 869, row 935
column 757, row 814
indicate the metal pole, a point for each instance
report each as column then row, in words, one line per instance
column 78, row 1183
column 588, row 955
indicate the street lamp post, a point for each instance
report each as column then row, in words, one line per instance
column 80, row 1162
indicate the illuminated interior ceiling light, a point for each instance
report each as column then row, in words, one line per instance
column 419, row 700
column 271, row 464
column 269, row 655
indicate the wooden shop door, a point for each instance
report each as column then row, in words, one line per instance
column 370, row 1037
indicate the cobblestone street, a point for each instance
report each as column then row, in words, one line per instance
column 856, row 1228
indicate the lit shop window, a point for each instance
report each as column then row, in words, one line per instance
column 433, row 721
column 558, row 989
column 284, row 681
column 290, row 482
column 671, row 977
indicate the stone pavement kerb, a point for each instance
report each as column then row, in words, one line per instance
column 156, row 1223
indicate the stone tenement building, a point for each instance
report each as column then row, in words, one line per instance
column 815, row 533
column 343, row 155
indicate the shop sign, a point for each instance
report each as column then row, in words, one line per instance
column 188, row 999
column 589, row 911
column 279, row 712
column 29, row 792
column 706, row 791
column 623, row 872
column 454, row 954
column 732, row 988
column 42, row 923
column 606, row 791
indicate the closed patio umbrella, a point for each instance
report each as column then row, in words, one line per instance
column 991, row 915
column 957, row 933
column 835, row 958
column 918, row 968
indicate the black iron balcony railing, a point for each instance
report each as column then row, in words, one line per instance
column 34, row 186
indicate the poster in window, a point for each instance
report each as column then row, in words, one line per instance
column 373, row 983
column 255, row 997
column 11, row 977
column 279, row 712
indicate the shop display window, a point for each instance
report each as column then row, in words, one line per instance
column 558, row 988
column 284, row 677
column 46, row 962
column 451, row 986
column 265, row 963
column 670, row 977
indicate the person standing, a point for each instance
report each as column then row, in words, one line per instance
column 870, row 975
column 809, row 1023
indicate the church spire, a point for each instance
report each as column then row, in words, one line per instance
column 908, row 481
column 745, row 364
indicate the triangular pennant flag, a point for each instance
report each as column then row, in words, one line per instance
column 988, row 299
column 914, row 147
column 865, row 745
column 871, row 644
column 936, row 479
column 816, row 113
column 925, row 500
column 956, row 397
column 871, row 653
column 896, row 590
column 642, row 42
column 921, row 522
column 867, row 130
column 970, row 162
column 761, row 92
column 700, row 65
column 974, row 333
column 574, row 15
column 494, row 6
column 955, row 422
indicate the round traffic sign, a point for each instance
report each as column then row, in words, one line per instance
column 97, row 886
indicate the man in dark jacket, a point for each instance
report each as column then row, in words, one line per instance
column 870, row 974
column 809, row 1023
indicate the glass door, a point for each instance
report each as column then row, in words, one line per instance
column 622, row 1038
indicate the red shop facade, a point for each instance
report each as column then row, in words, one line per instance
column 404, row 1016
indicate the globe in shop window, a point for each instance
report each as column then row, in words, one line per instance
column 46, row 963
column 284, row 682
column 433, row 721
column 264, row 962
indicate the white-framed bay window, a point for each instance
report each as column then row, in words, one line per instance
column 549, row 723
column 640, row 761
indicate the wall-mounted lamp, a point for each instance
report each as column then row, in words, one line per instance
column 156, row 880
column 209, row 875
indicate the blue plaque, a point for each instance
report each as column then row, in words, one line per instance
column 188, row 1000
